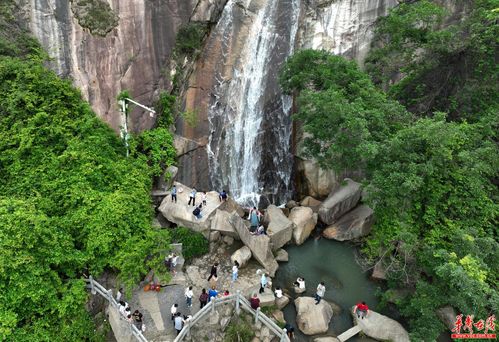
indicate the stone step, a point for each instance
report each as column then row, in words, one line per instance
column 349, row 333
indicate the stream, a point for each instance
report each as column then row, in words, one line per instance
column 334, row 263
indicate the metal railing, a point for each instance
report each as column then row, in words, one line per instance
column 240, row 302
column 95, row 288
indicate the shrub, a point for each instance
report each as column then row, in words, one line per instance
column 240, row 331
column 194, row 244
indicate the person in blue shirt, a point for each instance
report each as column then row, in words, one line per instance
column 192, row 197
column 212, row 293
column 222, row 196
column 174, row 193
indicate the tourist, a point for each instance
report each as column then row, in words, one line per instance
column 290, row 330
column 174, row 263
column 263, row 282
column 254, row 217
column 278, row 292
column 213, row 281
column 137, row 317
column 119, row 295
column 178, row 322
column 188, row 296
column 204, row 197
column 197, row 212
column 192, row 197
column 187, row 319
column 226, row 293
column 235, row 271
column 321, row 289
column 203, row 298
column 255, row 302
column 361, row 309
column 168, row 262
column 174, row 193
column 213, row 271
column 300, row 283
column 222, row 196
column 129, row 318
column 173, row 310
column 212, row 294
column 260, row 230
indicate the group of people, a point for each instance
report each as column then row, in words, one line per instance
column 135, row 318
column 222, row 196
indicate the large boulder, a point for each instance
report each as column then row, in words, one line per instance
column 242, row 256
column 220, row 223
column 181, row 214
column 231, row 206
column 267, row 298
column 352, row 225
column 280, row 303
column 447, row 316
column 311, row 202
column 381, row 327
column 341, row 200
column 258, row 244
column 311, row 318
column 281, row 256
column 379, row 271
column 280, row 228
column 304, row 220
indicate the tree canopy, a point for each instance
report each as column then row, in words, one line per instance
column 430, row 180
column 71, row 203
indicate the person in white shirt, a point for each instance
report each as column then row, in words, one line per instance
column 278, row 292
column 321, row 289
column 188, row 296
column 119, row 295
column 300, row 283
column 173, row 310
column 174, row 263
column 235, row 270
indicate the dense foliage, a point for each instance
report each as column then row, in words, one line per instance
column 71, row 203
column 446, row 58
column 429, row 180
column 194, row 244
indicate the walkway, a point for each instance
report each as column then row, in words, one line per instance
column 349, row 333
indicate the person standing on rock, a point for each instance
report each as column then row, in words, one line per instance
column 254, row 217
column 278, row 292
column 204, row 198
column 321, row 289
column 119, row 295
column 235, row 271
column 290, row 330
column 188, row 296
column 213, row 271
column 361, row 309
column 263, row 282
column 255, row 302
column 173, row 264
column 192, row 197
column 203, row 298
column 137, row 317
column 178, row 322
column 174, row 193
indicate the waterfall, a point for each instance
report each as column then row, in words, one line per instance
column 249, row 118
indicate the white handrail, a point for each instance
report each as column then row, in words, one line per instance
column 95, row 288
column 240, row 302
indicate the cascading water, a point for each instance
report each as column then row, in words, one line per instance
column 249, row 117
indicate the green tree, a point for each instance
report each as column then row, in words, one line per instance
column 71, row 204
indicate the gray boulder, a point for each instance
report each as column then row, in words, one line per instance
column 311, row 318
column 281, row 255
column 352, row 225
column 280, row 228
column 281, row 302
column 259, row 245
column 304, row 220
column 381, row 327
column 181, row 214
column 220, row 223
column 311, row 202
column 231, row 206
column 447, row 316
column 341, row 200
column 242, row 256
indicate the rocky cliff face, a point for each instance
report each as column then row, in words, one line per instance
column 133, row 55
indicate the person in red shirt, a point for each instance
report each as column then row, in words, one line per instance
column 255, row 302
column 361, row 310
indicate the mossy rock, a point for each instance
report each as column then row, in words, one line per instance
column 95, row 15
